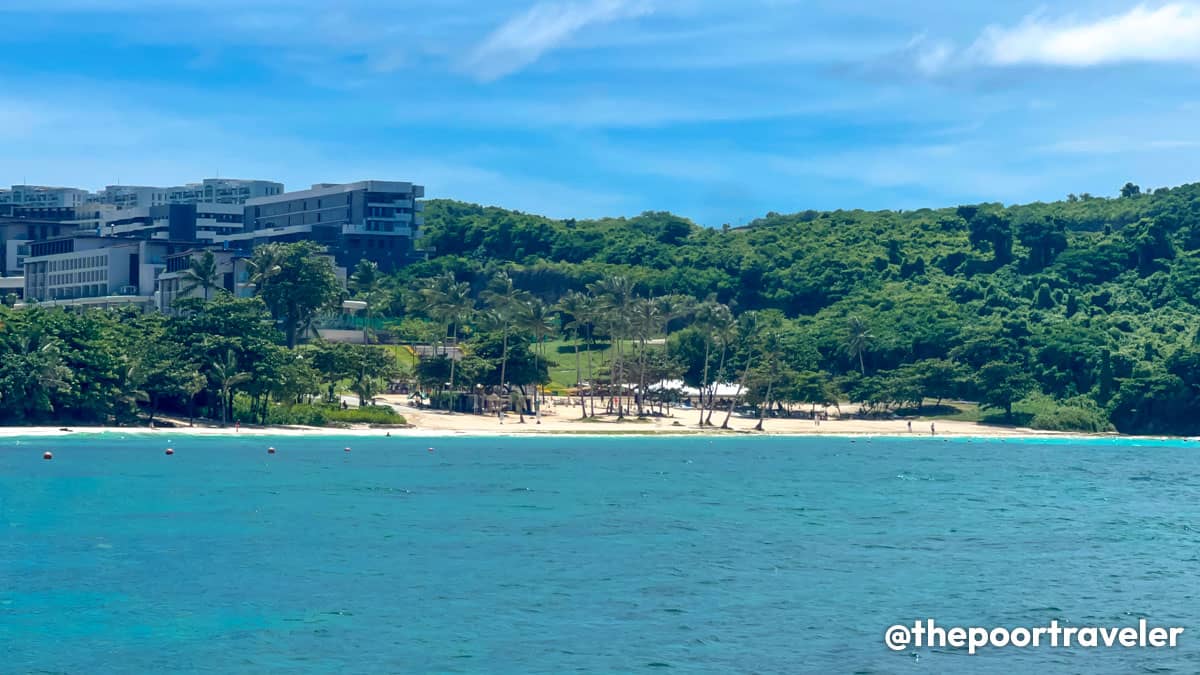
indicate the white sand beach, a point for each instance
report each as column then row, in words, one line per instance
column 565, row 420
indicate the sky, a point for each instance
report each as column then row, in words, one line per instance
column 717, row 110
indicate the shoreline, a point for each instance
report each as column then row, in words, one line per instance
column 585, row 430
column 563, row 421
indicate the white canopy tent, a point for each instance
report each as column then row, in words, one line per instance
column 724, row 389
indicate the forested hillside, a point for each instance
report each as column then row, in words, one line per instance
column 1090, row 300
column 1074, row 315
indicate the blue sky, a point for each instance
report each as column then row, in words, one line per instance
column 714, row 109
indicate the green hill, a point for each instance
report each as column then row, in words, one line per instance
column 1095, row 298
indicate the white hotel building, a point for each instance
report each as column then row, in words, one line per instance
column 92, row 270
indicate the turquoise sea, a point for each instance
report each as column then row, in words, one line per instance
column 599, row 555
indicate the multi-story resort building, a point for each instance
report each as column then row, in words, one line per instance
column 208, row 191
column 40, row 195
column 372, row 220
column 94, row 270
column 100, row 253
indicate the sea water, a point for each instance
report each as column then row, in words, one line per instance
column 569, row 554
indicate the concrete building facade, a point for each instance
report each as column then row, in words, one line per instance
column 373, row 220
column 43, row 196
column 94, row 270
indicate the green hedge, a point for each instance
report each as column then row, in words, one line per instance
column 1073, row 414
column 320, row 415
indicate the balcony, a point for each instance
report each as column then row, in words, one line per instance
column 361, row 228
column 401, row 203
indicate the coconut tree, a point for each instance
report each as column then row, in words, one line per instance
column 33, row 373
column 366, row 282
column 858, row 341
column 770, row 368
column 225, row 375
column 201, row 273
column 748, row 338
column 538, row 318
column 615, row 297
column 457, row 307
column 589, row 312
column 646, row 317
column 367, row 388
column 706, row 319
column 448, row 302
column 724, row 330
column 506, row 304
column 572, row 310
column 265, row 264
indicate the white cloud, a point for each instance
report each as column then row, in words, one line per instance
column 524, row 38
column 1170, row 33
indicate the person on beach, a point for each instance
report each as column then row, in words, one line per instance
column 932, row 429
column 910, row 426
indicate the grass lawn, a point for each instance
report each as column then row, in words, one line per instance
column 561, row 354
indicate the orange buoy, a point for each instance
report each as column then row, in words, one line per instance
column 170, row 451
column 47, row 455
column 270, row 451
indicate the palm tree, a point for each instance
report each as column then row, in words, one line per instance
column 458, row 305
column 590, row 315
column 705, row 320
column 226, row 376
column 724, row 330
column 748, row 339
column 615, row 297
column 39, row 373
column 858, row 340
column 265, row 264
column 574, row 305
column 449, row 302
column 366, row 282
column 366, row 387
column 770, row 365
column 201, row 273
column 538, row 319
column 647, row 316
column 506, row 303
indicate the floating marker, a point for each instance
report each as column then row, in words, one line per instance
column 270, row 451
column 47, row 455
column 170, row 451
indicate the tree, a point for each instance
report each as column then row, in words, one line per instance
column 989, row 228
column 538, row 319
column 1004, row 383
column 506, row 305
column 615, row 296
column 748, row 335
column 201, row 273
column 572, row 312
column 32, row 374
column 1045, row 237
column 226, row 375
column 858, row 341
column 449, row 302
column 1130, row 190
column 296, row 281
column 366, row 283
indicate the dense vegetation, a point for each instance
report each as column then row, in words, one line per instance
column 224, row 358
column 1089, row 302
column 1079, row 314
